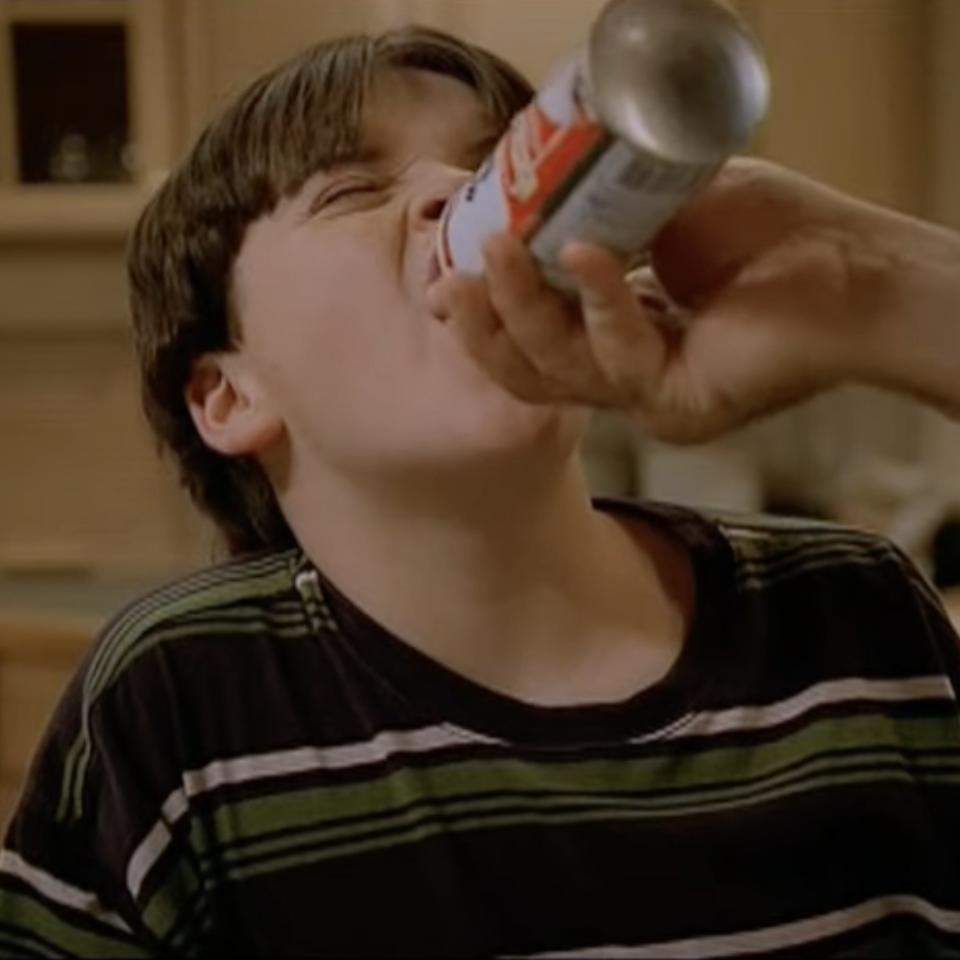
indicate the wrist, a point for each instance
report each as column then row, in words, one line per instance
column 904, row 283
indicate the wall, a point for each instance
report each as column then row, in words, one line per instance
column 850, row 93
column 83, row 489
column 228, row 42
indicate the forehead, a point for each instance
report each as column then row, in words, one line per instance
column 405, row 104
column 406, row 113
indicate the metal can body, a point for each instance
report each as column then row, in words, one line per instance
column 604, row 153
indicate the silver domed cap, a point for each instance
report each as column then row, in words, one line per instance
column 682, row 79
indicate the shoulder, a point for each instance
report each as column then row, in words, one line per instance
column 765, row 549
column 800, row 566
column 784, row 606
column 246, row 597
column 254, row 577
column 250, row 584
column 154, row 655
column 846, row 574
column 770, row 549
column 773, row 551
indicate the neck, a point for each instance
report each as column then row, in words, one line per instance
column 518, row 583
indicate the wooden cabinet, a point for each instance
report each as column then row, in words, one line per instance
column 87, row 113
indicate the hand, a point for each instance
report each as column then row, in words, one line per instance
column 760, row 310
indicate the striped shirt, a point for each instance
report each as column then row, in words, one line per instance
column 247, row 763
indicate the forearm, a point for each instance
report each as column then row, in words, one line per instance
column 908, row 277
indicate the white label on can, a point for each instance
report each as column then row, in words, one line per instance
column 621, row 203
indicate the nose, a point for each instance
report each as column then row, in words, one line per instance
column 429, row 209
column 428, row 205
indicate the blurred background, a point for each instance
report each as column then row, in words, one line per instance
column 98, row 99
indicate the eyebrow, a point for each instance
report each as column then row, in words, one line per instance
column 359, row 156
column 366, row 155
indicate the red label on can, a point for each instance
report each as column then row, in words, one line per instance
column 536, row 158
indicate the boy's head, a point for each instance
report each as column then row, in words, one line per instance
column 278, row 280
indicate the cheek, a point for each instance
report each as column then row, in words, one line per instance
column 326, row 313
column 335, row 343
column 346, row 351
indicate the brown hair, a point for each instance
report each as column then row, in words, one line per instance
column 282, row 129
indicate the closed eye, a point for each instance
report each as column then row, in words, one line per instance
column 339, row 195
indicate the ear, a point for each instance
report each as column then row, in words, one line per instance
column 228, row 407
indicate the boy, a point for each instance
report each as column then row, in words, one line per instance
column 440, row 703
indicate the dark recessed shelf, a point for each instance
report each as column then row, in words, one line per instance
column 71, row 102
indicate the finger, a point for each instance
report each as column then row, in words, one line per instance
column 629, row 347
column 476, row 324
column 545, row 326
column 536, row 316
